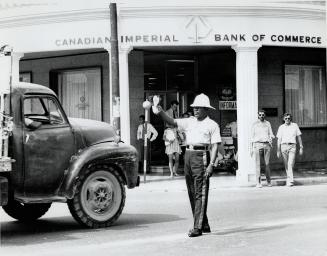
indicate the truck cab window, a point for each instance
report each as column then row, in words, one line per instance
column 44, row 110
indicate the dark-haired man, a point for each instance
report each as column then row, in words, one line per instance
column 262, row 136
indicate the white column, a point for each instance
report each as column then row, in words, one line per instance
column 247, row 108
column 108, row 49
column 16, row 56
column 125, row 125
column 9, row 68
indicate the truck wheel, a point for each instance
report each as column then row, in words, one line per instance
column 25, row 212
column 99, row 198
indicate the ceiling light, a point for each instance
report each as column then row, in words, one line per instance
column 182, row 61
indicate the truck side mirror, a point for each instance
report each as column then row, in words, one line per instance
column 33, row 125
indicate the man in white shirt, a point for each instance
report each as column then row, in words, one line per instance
column 286, row 145
column 262, row 136
column 151, row 135
column 202, row 142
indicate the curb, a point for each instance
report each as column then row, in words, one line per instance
column 299, row 181
column 275, row 181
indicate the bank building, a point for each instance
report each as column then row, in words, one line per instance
column 245, row 55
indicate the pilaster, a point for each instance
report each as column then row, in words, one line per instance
column 247, row 108
column 124, row 94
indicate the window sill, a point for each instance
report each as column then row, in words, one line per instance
column 313, row 127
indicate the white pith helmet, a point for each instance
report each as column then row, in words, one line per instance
column 202, row 100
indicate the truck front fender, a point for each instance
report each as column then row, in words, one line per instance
column 121, row 156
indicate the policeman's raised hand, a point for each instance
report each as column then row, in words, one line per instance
column 156, row 100
column 156, row 108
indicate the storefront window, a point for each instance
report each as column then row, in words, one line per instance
column 305, row 94
column 80, row 92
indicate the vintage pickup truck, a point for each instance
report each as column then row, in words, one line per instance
column 53, row 158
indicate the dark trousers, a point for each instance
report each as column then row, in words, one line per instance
column 197, row 185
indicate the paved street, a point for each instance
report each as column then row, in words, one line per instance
column 245, row 222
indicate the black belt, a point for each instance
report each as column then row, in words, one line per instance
column 193, row 147
column 288, row 143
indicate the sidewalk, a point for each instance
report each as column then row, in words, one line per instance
column 301, row 177
column 278, row 178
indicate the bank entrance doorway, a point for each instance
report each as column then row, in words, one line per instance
column 158, row 156
column 180, row 73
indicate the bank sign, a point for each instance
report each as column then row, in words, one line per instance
column 197, row 31
column 225, row 38
column 171, row 39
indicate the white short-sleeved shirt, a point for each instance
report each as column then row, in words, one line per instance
column 262, row 132
column 199, row 132
column 287, row 133
column 150, row 131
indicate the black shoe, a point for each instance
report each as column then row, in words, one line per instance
column 206, row 229
column 195, row 232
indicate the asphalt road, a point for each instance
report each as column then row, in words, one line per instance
column 279, row 221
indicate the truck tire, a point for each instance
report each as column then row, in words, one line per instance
column 25, row 212
column 99, row 197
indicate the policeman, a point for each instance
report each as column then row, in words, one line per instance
column 202, row 143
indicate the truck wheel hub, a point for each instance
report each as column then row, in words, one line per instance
column 100, row 196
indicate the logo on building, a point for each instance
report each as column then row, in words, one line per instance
column 197, row 29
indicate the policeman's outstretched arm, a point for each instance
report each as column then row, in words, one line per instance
column 158, row 111
column 167, row 118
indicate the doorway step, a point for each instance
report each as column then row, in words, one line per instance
column 163, row 170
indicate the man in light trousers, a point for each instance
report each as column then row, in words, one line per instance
column 286, row 145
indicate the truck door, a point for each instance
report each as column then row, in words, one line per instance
column 48, row 143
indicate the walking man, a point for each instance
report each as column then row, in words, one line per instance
column 262, row 136
column 286, row 145
column 202, row 142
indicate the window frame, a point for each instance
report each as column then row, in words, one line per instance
column 319, row 64
column 55, row 101
column 54, row 73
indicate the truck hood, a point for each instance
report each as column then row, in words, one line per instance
column 91, row 131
